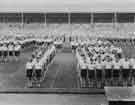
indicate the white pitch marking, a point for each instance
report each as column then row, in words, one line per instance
column 56, row 76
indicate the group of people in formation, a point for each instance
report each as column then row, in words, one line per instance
column 37, row 65
column 100, row 64
column 9, row 51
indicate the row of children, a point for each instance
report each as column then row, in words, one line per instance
column 9, row 51
column 100, row 66
column 37, row 66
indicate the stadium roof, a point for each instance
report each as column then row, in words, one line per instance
column 67, row 5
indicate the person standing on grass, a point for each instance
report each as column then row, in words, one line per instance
column 125, row 71
column 17, row 50
column 108, row 71
column 38, row 72
column 10, row 51
column 116, row 72
column 91, row 74
column 132, row 67
column 83, row 69
column 5, row 53
column 0, row 53
column 29, row 72
column 99, row 72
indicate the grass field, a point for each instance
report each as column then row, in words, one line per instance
column 61, row 73
column 12, row 74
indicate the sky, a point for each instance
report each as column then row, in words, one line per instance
column 66, row 5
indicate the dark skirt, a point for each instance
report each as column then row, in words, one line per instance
column 10, row 53
column 29, row 73
column 17, row 53
column 99, row 74
column 133, row 72
column 5, row 53
column 125, row 73
column 116, row 73
column 119, row 55
column 0, row 53
column 38, row 73
column 91, row 74
column 108, row 73
column 84, row 73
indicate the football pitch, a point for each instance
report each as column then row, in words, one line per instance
column 61, row 74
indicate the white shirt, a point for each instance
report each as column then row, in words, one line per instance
column 90, row 49
column 132, row 61
column 88, row 60
column 17, row 48
column 83, row 65
column 108, row 65
column 1, row 48
column 133, row 66
column 119, row 50
column 39, row 53
column 29, row 65
column 98, row 65
column 38, row 65
column 91, row 66
column 5, row 48
column 96, row 49
column 34, row 61
column 74, row 43
column 122, row 61
column 57, row 43
column 125, row 65
column 116, row 65
column 112, row 48
column 10, row 48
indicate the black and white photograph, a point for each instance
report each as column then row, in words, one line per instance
column 67, row 52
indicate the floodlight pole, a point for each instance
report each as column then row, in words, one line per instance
column 3, row 19
column 115, row 19
column 45, row 19
column 69, row 15
column 22, row 19
column 133, row 33
column 92, row 20
column 134, row 19
column 69, row 21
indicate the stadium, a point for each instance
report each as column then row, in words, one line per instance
column 67, row 53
